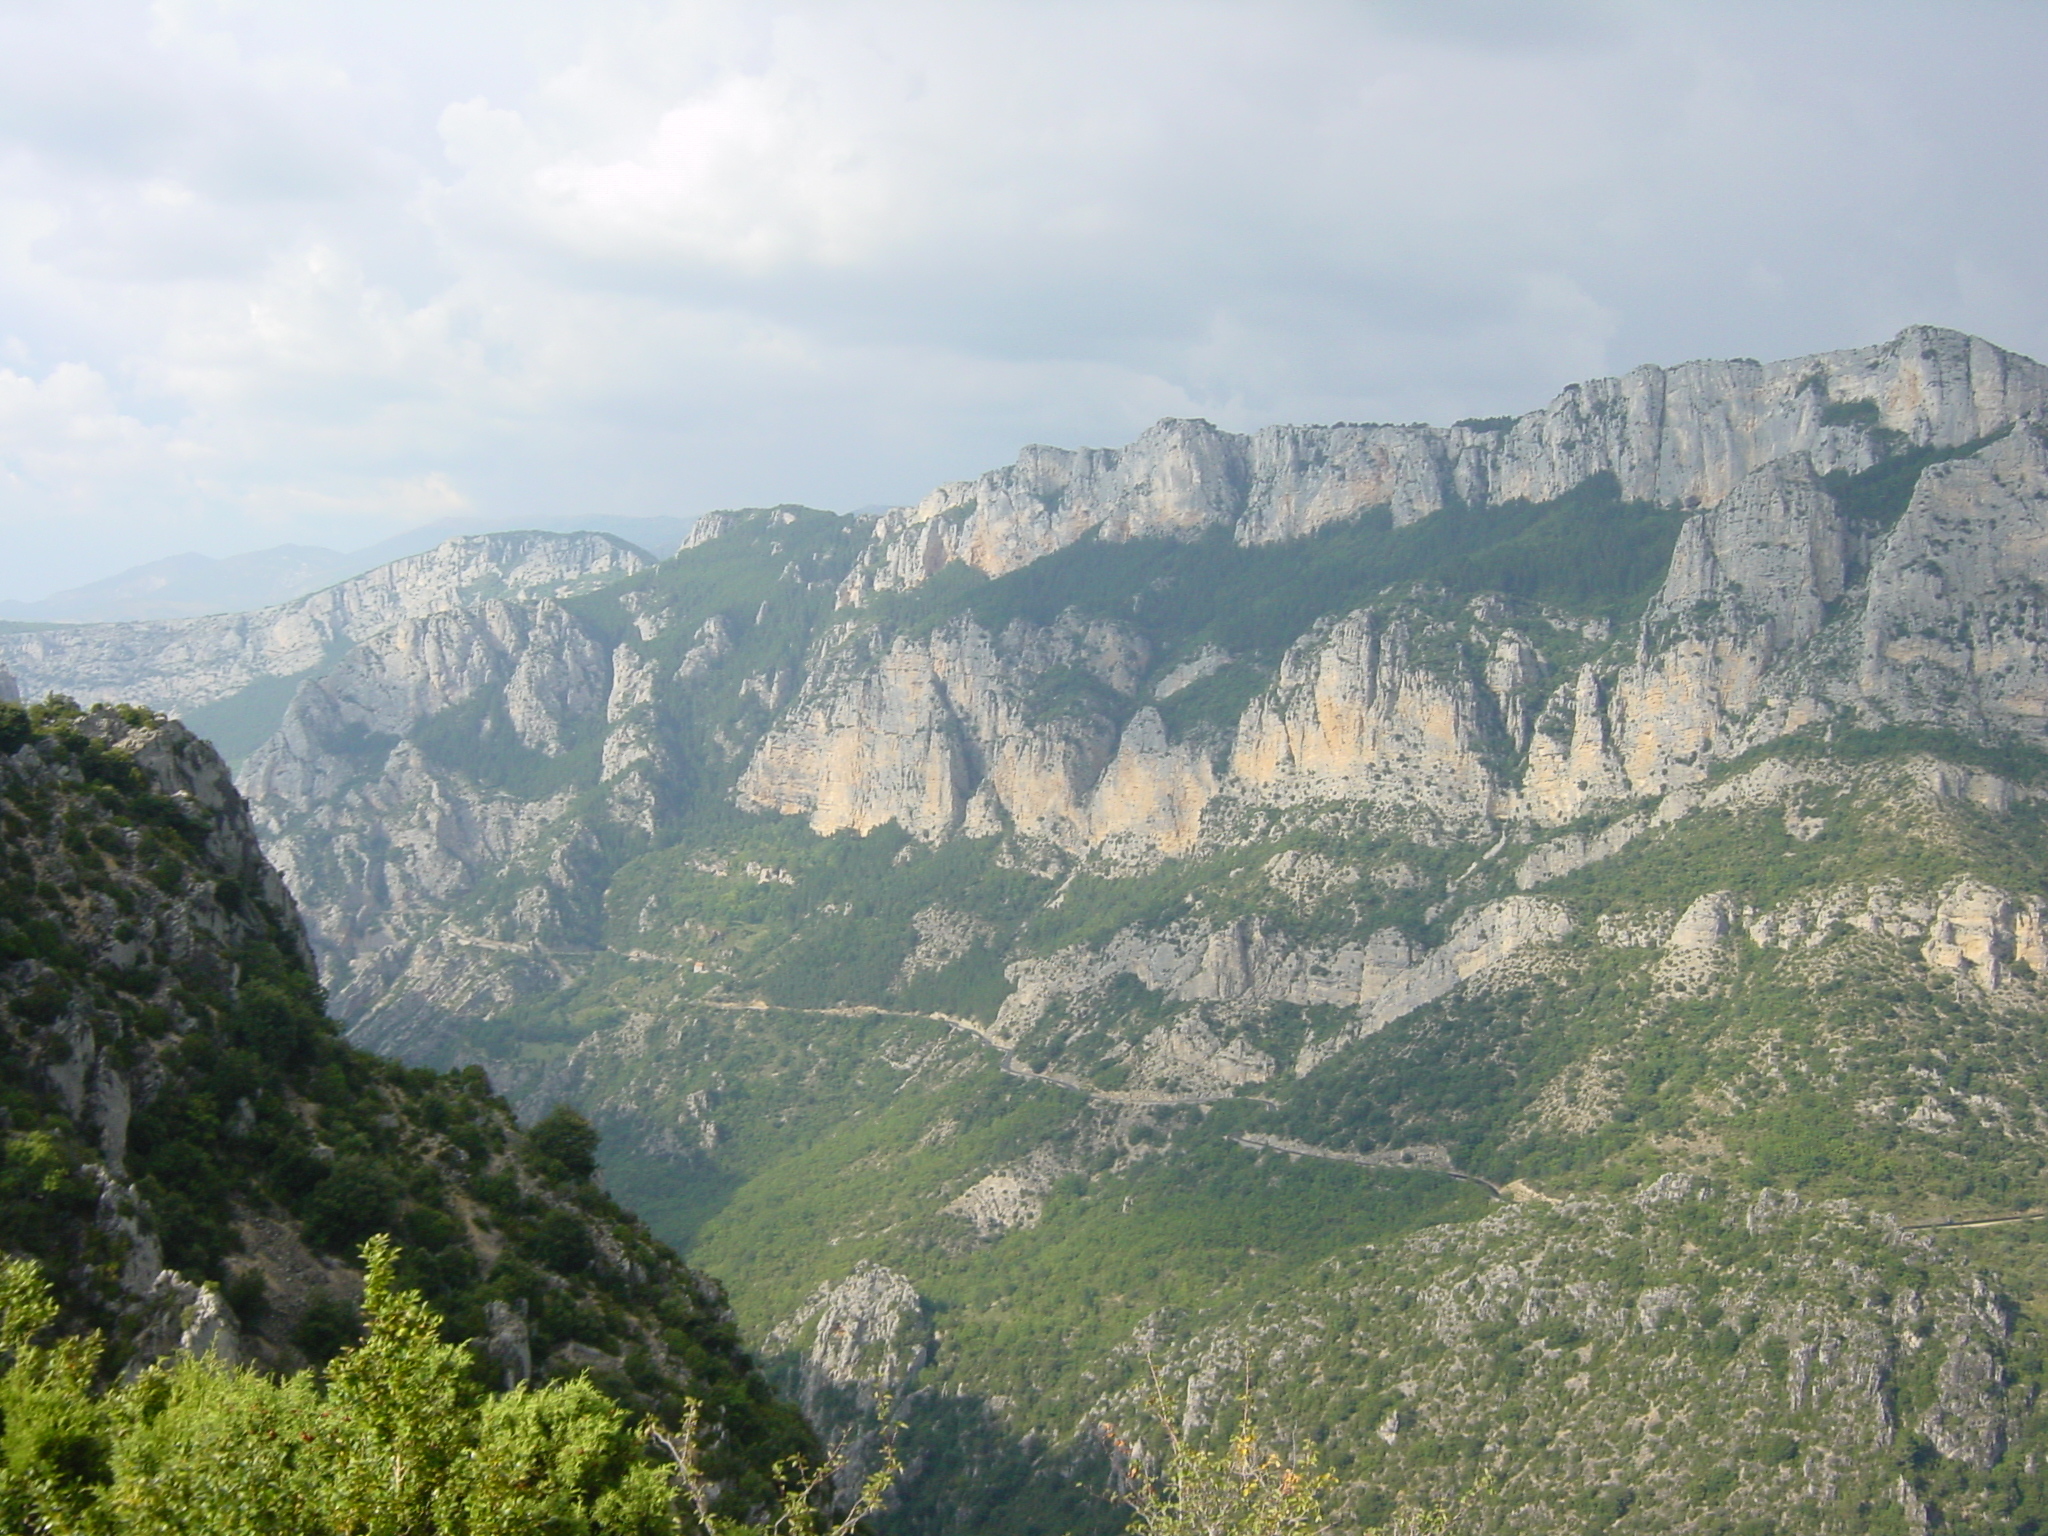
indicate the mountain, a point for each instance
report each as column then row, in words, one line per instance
column 185, row 586
column 195, row 1156
column 1516, row 950
column 194, row 585
column 231, row 675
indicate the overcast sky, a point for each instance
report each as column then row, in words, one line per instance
column 281, row 272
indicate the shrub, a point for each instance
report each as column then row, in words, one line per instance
column 356, row 1199
column 562, row 1243
column 564, row 1144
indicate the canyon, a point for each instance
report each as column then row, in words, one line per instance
column 1514, row 951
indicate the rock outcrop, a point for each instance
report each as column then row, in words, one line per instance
column 867, row 1334
column 1954, row 627
column 953, row 732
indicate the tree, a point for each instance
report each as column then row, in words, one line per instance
column 563, row 1142
column 806, row 1491
column 400, row 1410
column 1245, row 1489
column 399, row 1442
column 53, row 1432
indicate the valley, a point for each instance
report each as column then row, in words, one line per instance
column 1516, row 953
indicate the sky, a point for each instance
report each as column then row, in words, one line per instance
column 314, row 273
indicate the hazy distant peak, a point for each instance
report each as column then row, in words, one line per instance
column 194, row 585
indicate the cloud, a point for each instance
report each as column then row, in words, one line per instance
column 314, row 272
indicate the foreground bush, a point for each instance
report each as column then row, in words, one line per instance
column 394, row 1440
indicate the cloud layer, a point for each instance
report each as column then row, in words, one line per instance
column 315, row 273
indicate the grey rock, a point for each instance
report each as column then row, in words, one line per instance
column 180, row 664
column 1673, row 435
column 508, row 1342
column 867, row 1334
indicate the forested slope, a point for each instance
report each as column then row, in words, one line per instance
column 194, row 1157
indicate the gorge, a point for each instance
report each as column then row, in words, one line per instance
column 1515, row 952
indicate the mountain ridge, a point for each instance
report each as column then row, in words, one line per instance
column 220, row 669
column 192, row 585
column 1669, row 435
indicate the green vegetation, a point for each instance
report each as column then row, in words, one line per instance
column 818, row 1139
column 1876, row 497
column 1217, row 701
column 249, row 1113
column 1244, row 1489
column 1686, row 1305
column 394, row 1436
column 240, row 723
column 476, row 738
column 1850, row 413
column 812, row 921
column 2020, row 761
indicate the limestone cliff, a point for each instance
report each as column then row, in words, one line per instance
column 1786, row 602
column 1953, row 628
column 1777, row 612
column 953, row 733
column 178, row 665
column 1685, row 434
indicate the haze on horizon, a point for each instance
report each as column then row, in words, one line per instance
column 320, row 274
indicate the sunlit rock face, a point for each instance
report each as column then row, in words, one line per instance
column 1673, row 435
column 1780, row 608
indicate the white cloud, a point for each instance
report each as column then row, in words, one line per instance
column 313, row 272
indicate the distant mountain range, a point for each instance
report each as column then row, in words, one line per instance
column 192, row 586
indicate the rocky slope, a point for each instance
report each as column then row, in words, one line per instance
column 195, row 1156
column 219, row 669
column 1497, row 934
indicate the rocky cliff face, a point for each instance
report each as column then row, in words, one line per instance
column 1777, row 612
column 1953, row 627
column 1861, row 551
column 1677, row 435
column 1730, row 652
column 179, row 665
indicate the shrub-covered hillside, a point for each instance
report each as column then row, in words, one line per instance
column 194, row 1157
